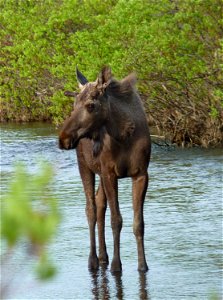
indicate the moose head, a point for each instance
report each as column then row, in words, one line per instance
column 90, row 110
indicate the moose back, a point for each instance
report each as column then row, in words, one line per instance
column 108, row 129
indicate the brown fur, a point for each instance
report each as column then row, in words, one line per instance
column 109, row 130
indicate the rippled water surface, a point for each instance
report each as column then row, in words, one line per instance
column 183, row 214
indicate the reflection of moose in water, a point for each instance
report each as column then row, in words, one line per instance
column 108, row 128
column 105, row 286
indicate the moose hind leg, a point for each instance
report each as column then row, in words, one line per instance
column 140, row 185
column 101, row 204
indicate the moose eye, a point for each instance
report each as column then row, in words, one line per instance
column 90, row 107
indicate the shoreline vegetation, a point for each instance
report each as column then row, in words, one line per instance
column 175, row 47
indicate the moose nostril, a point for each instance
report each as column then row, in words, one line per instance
column 64, row 143
column 61, row 144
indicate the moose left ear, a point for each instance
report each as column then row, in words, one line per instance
column 104, row 78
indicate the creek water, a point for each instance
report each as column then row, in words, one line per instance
column 183, row 229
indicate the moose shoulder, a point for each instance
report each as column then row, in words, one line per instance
column 109, row 130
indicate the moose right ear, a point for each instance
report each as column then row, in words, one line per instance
column 82, row 80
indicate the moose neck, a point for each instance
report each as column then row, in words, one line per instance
column 119, row 124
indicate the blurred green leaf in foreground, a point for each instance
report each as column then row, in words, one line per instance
column 29, row 214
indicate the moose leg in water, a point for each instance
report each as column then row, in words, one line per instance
column 139, row 184
column 101, row 203
column 88, row 178
column 110, row 184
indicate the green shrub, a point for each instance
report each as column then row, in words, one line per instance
column 30, row 213
column 174, row 46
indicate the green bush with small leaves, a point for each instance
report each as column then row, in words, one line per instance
column 174, row 46
column 30, row 214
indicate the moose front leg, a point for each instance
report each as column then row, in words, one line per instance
column 88, row 179
column 140, row 185
column 91, row 213
column 101, row 203
column 93, row 263
column 110, row 185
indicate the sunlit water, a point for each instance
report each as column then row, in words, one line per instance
column 183, row 236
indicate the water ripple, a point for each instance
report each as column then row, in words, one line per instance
column 183, row 230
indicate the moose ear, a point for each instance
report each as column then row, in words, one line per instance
column 82, row 80
column 104, row 77
column 129, row 80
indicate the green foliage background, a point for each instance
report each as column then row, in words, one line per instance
column 175, row 46
column 29, row 214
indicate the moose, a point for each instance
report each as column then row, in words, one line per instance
column 109, row 130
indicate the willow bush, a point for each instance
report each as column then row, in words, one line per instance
column 174, row 46
column 29, row 217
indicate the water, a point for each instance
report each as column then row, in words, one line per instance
column 183, row 214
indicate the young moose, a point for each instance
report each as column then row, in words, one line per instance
column 109, row 130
